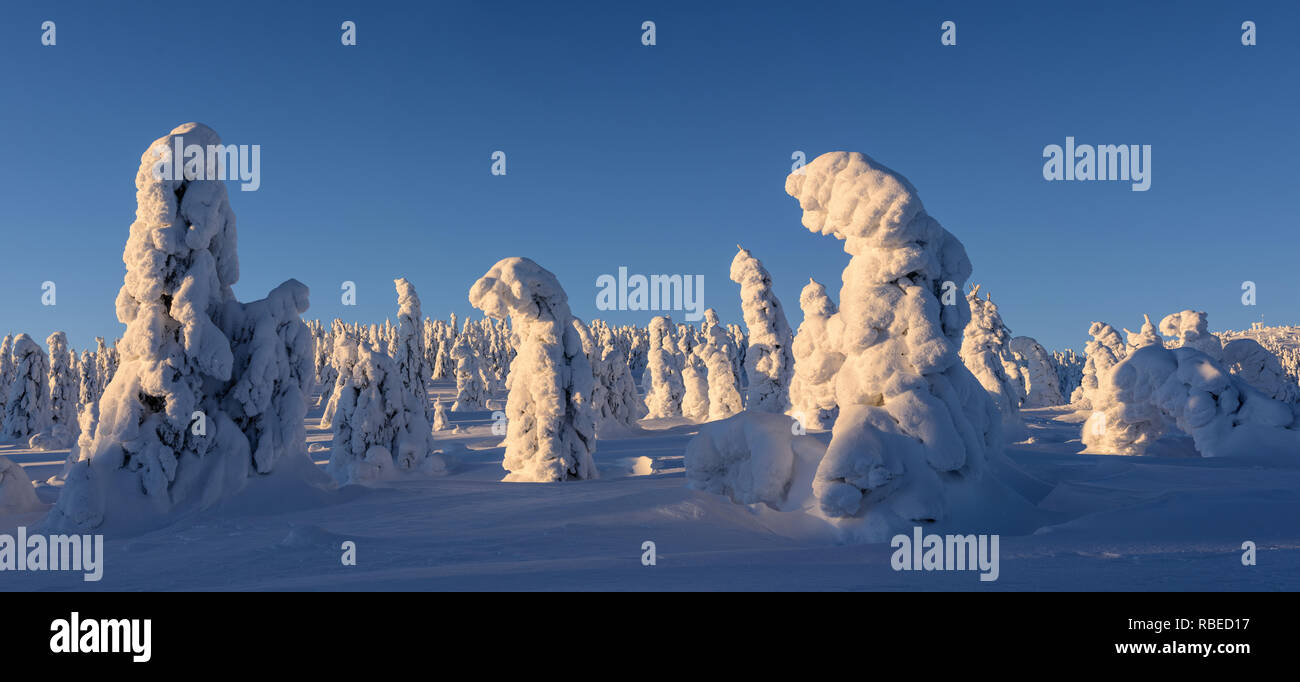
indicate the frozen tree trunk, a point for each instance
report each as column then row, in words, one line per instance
column 769, row 361
column 719, row 353
column 913, row 420
column 27, row 409
column 812, row 390
column 986, row 352
column 663, row 377
column 209, row 390
column 551, row 430
column 1044, row 386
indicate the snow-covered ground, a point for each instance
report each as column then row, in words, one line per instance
column 1169, row 520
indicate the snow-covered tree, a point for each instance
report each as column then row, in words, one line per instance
column 106, row 362
column 614, row 398
column 986, row 352
column 550, row 428
column 6, row 370
column 769, row 361
column 913, row 419
column 1103, row 352
column 343, row 356
column 812, row 390
column 1248, row 360
column 1189, row 329
column 1069, row 370
column 1157, row 388
column 368, row 422
column 663, row 374
column 1147, row 336
column 27, row 409
column 471, row 393
column 439, row 415
column 718, row 352
column 1043, row 387
column 408, row 354
column 209, row 390
column 695, row 383
column 63, row 389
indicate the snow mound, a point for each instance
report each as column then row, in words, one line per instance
column 750, row 458
column 16, row 492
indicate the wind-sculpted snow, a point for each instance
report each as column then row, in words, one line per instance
column 550, row 428
column 913, row 419
column 209, row 391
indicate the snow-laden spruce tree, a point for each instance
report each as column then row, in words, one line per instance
column 1246, row 359
column 1103, row 352
column 88, row 387
column 812, row 390
column 718, row 352
column 209, row 390
column 663, row 373
column 408, row 354
column 343, row 356
column 368, row 422
column 986, row 352
column 471, row 392
column 1146, row 336
column 439, row 415
column 614, row 396
column 769, row 361
column 1069, row 370
column 27, row 409
column 695, row 384
column 6, row 370
column 913, row 419
column 1043, row 386
column 1190, row 329
column 550, row 428
column 63, row 390
column 106, row 362
column 1156, row 388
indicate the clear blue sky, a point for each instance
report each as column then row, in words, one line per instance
column 375, row 158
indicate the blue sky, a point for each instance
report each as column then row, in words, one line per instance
column 376, row 158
